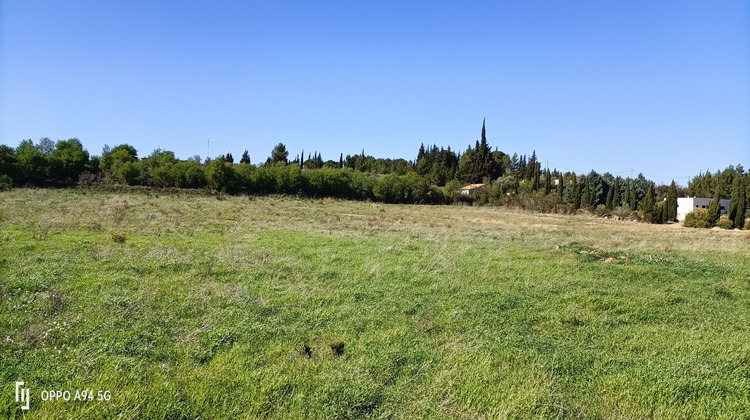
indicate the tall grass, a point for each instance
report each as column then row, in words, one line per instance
column 286, row 308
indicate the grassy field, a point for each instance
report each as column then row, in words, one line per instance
column 196, row 307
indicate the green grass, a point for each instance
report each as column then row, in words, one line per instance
column 285, row 308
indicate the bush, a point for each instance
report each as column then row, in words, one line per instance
column 452, row 190
column 636, row 215
column 129, row 173
column 502, row 187
column 390, row 189
column 5, row 182
column 621, row 211
column 747, row 224
column 601, row 210
column 724, row 222
column 698, row 218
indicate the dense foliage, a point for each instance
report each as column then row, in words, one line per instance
column 436, row 176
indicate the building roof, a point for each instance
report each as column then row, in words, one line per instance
column 472, row 186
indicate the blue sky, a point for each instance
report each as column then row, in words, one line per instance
column 661, row 87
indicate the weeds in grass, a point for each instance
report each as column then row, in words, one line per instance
column 39, row 232
column 56, row 302
column 208, row 268
column 118, row 238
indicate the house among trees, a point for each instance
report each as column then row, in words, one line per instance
column 471, row 189
column 686, row 205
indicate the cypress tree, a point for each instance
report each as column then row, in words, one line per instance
column 586, row 194
column 741, row 205
column 626, row 202
column 560, row 189
column 576, row 194
column 245, row 158
column 633, row 198
column 616, row 193
column 714, row 208
column 547, row 182
column 608, row 205
column 671, row 205
column 649, row 203
column 734, row 199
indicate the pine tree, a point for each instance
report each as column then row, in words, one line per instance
column 633, row 198
column 576, row 194
column 671, row 205
column 229, row 158
column 560, row 189
column 245, row 158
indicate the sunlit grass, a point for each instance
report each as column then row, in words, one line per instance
column 286, row 308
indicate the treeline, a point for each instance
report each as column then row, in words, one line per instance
column 435, row 177
column 733, row 184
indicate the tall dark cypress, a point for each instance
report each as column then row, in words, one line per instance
column 714, row 208
column 626, row 201
column 741, row 204
column 586, row 194
column 608, row 204
column 671, row 204
column 616, row 193
column 649, row 203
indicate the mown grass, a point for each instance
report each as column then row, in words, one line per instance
column 286, row 308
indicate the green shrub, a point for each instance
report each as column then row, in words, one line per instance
column 502, row 187
column 698, row 218
column 601, row 210
column 390, row 189
column 636, row 215
column 621, row 211
column 6, row 182
column 118, row 238
column 724, row 222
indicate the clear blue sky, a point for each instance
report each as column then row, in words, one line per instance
column 660, row 87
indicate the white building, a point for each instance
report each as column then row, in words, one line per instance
column 471, row 189
column 687, row 204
